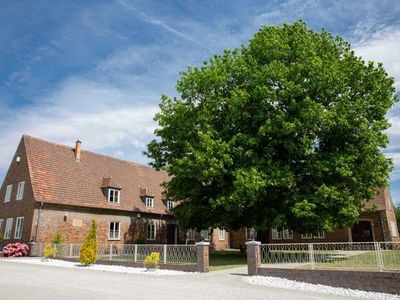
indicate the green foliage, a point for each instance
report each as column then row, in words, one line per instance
column 152, row 260
column 57, row 239
column 140, row 240
column 397, row 212
column 1, row 237
column 49, row 251
column 287, row 130
column 88, row 252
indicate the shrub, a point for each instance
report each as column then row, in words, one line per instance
column 49, row 251
column 88, row 252
column 140, row 240
column 57, row 239
column 151, row 261
column 15, row 250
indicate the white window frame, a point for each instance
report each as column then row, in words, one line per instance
column 170, row 205
column 7, row 196
column 206, row 234
column 307, row 236
column 20, row 190
column 113, row 234
column 319, row 235
column 19, row 227
column 149, row 231
column 1, row 225
column 251, row 234
column 287, row 234
column 115, row 194
column 221, row 235
column 276, row 234
column 149, row 202
column 8, row 229
column 393, row 228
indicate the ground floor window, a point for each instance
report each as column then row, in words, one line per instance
column 151, row 232
column 319, row 234
column 222, row 234
column 206, row 234
column 251, row 234
column 114, row 231
column 306, row 235
column 19, row 225
column 281, row 233
column 7, row 231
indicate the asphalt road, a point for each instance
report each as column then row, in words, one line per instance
column 23, row 281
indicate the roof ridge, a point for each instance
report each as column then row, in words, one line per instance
column 90, row 152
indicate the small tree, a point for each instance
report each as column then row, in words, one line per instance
column 88, row 252
column 397, row 212
column 57, row 239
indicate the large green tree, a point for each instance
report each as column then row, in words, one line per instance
column 287, row 130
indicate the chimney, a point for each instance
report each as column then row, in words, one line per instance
column 78, row 150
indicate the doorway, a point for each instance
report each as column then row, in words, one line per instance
column 362, row 232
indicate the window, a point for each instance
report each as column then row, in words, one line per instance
column 206, row 234
column 393, row 226
column 1, row 225
column 251, row 234
column 20, row 190
column 19, row 225
column 7, row 231
column 113, row 196
column 222, row 234
column 190, row 234
column 287, row 234
column 114, row 231
column 149, row 202
column 7, row 198
column 151, row 232
column 276, row 234
column 170, row 205
column 319, row 234
column 306, row 236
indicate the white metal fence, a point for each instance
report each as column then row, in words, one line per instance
column 169, row 254
column 358, row 256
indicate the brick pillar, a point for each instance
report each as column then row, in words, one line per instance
column 202, row 256
column 253, row 257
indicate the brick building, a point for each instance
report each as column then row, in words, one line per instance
column 51, row 187
column 376, row 225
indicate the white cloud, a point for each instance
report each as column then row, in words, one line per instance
column 395, row 156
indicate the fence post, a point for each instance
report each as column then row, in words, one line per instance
column 378, row 254
column 110, row 255
column 253, row 257
column 311, row 255
column 165, row 254
column 135, row 256
column 202, row 254
column 70, row 249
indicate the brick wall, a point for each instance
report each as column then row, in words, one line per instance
column 385, row 282
column 18, row 172
column 216, row 243
column 238, row 238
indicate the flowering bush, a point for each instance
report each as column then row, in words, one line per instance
column 151, row 261
column 15, row 250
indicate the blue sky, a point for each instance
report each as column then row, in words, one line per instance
column 95, row 70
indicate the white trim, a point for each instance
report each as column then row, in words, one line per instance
column 306, row 236
column 7, row 196
column 221, row 234
column 276, row 234
column 149, row 202
column 19, row 227
column 321, row 235
column 116, row 196
column 20, row 190
column 393, row 228
column 170, row 205
column 113, row 237
column 8, row 229
column 153, row 238
column 287, row 234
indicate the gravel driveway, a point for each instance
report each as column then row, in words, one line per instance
column 23, row 281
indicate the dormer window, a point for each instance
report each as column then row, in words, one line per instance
column 113, row 195
column 170, row 205
column 149, row 202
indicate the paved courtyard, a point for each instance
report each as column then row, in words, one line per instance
column 24, row 281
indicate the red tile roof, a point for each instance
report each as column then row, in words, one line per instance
column 58, row 178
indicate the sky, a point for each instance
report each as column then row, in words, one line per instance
column 95, row 70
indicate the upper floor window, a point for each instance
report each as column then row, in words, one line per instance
column 20, row 190
column 170, row 205
column 113, row 195
column 7, row 197
column 149, row 202
column 7, row 231
column 222, row 234
column 114, row 231
column 151, row 232
column 320, row 234
column 19, row 225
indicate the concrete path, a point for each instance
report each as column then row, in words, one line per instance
column 23, row 281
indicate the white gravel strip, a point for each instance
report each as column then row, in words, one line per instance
column 277, row 282
column 105, row 268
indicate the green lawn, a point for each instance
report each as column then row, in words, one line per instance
column 220, row 260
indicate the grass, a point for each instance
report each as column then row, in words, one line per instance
column 220, row 260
